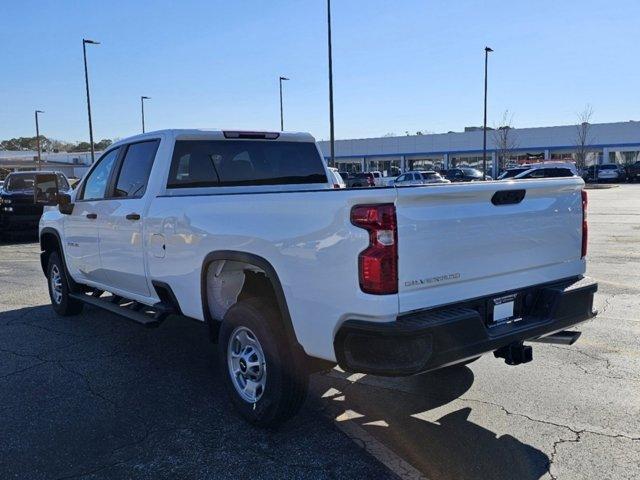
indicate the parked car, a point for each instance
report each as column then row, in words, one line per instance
column 545, row 172
column 345, row 176
column 377, row 178
column 18, row 207
column 243, row 231
column 512, row 172
column 464, row 174
column 409, row 178
column 633, row 172
column 337, row 180
column 607, row 172
column 548, row 169
column 362, row 179
column 419, row 178
column 431, row 176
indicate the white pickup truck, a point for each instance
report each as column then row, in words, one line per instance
column 245, row 232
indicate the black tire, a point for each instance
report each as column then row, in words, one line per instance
column 62, row 303
column 286, row 377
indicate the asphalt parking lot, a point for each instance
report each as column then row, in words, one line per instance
column 95, row 396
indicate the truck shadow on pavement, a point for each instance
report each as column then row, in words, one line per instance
column 16, row 238
column 95, row 395
column 420, row 419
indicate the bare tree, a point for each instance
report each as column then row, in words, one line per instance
column 505, row 139
column 583, row 136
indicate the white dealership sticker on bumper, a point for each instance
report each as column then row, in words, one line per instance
column 503, row 308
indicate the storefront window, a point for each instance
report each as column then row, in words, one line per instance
column 349, row 166
column 390, row 167
column 624, row 158
column 425, row 163
column 474, row 161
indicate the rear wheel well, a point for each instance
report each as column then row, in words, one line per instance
column 226, row 282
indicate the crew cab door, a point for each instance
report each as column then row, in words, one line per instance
column 81, row 226
column 121, row 226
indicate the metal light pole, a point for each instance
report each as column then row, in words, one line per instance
column 331, row 135
column 38, row 139
column 142, row 99
column 281, row 110
column 484, row 128
column 86, row 81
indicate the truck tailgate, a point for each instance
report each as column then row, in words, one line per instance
column 454, row 244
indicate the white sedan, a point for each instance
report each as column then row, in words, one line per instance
column 420, row 178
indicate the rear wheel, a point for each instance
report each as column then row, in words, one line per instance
column 265, row 378
column 59, row 288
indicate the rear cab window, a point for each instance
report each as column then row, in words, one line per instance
column 228, row 163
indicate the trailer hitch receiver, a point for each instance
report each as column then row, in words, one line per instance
column 515, row 353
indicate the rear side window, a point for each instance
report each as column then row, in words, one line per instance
column 537, row 173
column 212, row 163
column 559, row 172
column 135, row 169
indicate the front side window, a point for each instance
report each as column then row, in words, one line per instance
column 212, row 163
column 135, row 169
column 97, row 182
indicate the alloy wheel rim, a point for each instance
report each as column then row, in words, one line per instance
column 56, row 284
column 247, row 365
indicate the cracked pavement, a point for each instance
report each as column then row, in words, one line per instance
column 573, row 413
column 96, row 396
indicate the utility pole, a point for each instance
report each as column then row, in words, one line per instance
column 281, row 109
column 331, row 131
column 86, row 81
column 484, row 128
column 142, row 99
column 38, row 139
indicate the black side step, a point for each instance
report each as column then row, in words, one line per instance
column 145, row 315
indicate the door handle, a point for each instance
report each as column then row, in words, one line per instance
column 92, row 216
column 133, row 216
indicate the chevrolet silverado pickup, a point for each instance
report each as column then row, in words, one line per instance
column 244, row 232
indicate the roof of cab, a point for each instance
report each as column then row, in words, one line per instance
column 215, row 134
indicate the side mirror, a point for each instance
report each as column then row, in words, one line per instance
column 45, row 189
column 64, row 203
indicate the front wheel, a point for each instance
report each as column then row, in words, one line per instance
column 59, row 289
column 265, row 378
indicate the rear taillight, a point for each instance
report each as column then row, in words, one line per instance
column 378, row 263
column 585, row 226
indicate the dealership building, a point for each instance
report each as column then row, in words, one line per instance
column 606, row 143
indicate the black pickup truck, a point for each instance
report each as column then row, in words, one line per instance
column 18, row 207
column 633, row 172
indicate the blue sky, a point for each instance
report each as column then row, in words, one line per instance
column 398, row 65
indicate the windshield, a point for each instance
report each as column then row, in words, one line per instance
column 19, row 181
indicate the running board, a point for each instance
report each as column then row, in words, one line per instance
column 137, row 312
